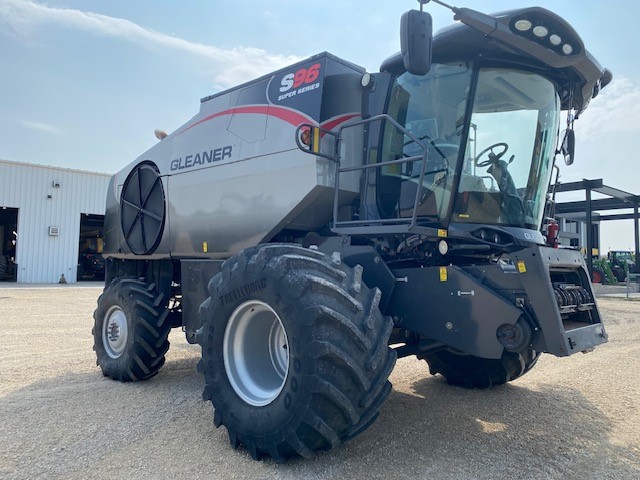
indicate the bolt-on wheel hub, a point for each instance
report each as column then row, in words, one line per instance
column 514, row 337
column 115, row 332
column 255, row 352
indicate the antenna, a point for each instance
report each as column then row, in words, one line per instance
column 423, row 2
column 453, row 9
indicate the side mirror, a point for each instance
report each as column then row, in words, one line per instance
column 416, row 41
column 568, row 148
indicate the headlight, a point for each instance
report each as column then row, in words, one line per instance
column 523, row 25
column 540, row 31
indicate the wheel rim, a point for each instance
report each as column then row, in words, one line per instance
column 115, row 332
column 255, row 353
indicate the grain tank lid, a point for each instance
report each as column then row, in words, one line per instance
column 319, row 56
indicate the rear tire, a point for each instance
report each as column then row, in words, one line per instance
column 130, row 330
column 619, row 273
column 598, row 275
column 319, row 375
column 468, row 371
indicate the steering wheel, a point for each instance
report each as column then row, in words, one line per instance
column 493, row 157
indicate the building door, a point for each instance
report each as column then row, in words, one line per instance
column 90, row 261
column 8, row 243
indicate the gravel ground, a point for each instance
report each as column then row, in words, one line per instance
column 569, row 418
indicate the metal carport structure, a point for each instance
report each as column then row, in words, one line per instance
column 617, row 200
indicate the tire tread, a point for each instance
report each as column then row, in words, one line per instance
column 471, row 372
column 149, row 328
column 347, row 350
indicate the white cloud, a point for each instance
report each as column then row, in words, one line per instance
column 607, row 136
column 22, row 17
column 41, row 127
column 606, row 148
column 615, row 112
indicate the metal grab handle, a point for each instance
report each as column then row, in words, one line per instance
column 316, row 133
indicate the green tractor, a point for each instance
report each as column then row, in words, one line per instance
column 621, row 263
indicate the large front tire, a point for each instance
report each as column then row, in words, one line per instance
column 468, row 371
column 130, row 330
column 294, row 351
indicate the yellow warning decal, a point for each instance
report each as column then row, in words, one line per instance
column 316, row 140
column 442, row 233
column 205, row 247
column 522, row 268
column 443, row 274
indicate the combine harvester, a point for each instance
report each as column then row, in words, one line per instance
column 309, row 227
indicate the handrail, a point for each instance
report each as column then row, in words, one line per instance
column 397, row 221
column 313, row 148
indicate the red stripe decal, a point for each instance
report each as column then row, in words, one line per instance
column 289, row 116
column 331, row 124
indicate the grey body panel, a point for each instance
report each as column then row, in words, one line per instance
column 456, row 310
column 247, row 200
column 233, row 175
column 463, row 306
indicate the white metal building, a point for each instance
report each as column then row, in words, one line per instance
column 49, row 202
column 573, row 231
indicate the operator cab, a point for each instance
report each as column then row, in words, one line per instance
column 466, row 139
column 490, row 135
column 487, row 117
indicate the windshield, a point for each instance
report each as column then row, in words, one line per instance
column 511, row 142
column 506, row 157
column 432, row 108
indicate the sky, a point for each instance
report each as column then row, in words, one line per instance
column 84, row 83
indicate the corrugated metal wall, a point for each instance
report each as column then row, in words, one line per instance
column 42, row 258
